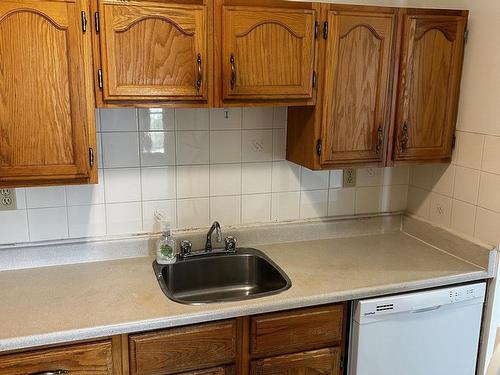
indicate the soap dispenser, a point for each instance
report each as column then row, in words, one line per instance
column 165, row 247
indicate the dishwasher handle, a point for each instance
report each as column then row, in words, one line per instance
column 426, row 309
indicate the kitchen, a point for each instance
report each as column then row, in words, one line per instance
column 347, row 172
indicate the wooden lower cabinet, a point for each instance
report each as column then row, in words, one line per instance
column 324, row 362
column 312, row 342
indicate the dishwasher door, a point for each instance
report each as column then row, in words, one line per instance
column 425, row 333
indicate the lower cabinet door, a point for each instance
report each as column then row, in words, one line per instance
column 324, row 362
column 82, row 359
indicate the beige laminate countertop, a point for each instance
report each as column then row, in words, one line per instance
column 74, row 302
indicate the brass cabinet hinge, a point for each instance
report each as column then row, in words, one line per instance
column 97, row 21
column 99, row 78
column 319, row 147
column 315, row 79
column 316, row 29
column 325, row 30
column 91, row 157
column 84, row 21
column 453, row 141
column 466, row 36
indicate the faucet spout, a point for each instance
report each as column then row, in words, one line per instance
column 215, row 227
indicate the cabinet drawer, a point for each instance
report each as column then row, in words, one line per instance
column 324, row 362
column 296, row 330
column 82, row 359
column 183, row 349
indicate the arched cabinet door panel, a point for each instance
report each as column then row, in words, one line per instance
column 267, row 52
column 429, row 84
column 47, row 125
column 356, row 117
column 154, row 50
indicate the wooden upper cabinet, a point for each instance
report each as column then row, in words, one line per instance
column 47, row 121
column 154, row 51
column 268, row 51
column 429, row 84
column 358, row 66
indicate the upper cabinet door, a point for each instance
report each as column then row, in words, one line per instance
column 267, row 53
column 154, row 51
column 429, row 84
column 47, row 122
column 358, row 66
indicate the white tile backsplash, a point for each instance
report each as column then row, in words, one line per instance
column 194, row 166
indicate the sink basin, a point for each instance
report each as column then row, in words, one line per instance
column 246, row 274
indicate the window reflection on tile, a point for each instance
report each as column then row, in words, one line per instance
column 156, row 119
column 157, row 148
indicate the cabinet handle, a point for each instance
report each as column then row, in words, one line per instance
column 380, row 139
column 404, row 137
column 200, row 73
column 50, row 372
column 233, row 72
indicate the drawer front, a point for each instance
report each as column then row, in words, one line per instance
column 81, row 359
column 183, row 349
column 296, row 330
column 320, row 362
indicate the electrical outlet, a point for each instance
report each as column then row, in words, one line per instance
column 7, row 200
column 349, row 177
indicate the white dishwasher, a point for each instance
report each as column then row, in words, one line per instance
column 425, row 333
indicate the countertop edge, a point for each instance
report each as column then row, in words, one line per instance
column 100, row 332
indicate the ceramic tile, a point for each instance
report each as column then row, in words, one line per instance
column 443, row 176
column 120, row 150
column 157, row 148
column 341, row 202
column 225, row 146
column 419, row 201
column 279, row 144
column 469, row 149
column 122, row 185
column 193, row 213
column 158, row 183
column 226, row 209
column 440, row 210
column 286, row 176
column 258, row 117
column 489, row 192
column 466, row 184
column 421, row 176
column 192, row 119
column 20, row 198
column 48, row 224
column 280, row 117
column 395, row 198
column 87, row 221
column 463, row 217
column 397, row 175
column 100, row 163
column 314, row 180
column 193, row 181
column 168, row 208
column 97, row 120
column 225, row 179
column 44, row 197
column 123, row 218
column 118, row 120
column 156, row 119
column 313, row 204
column 256, row 178
column 83, row 195
column 336, row 179
column 285, row 206
column 14, row 227
column 487, row 228
column 225, row 118
column 491, row 157
column 255, row 208
column 192, row 147
column 369, row 177
column 257, row 145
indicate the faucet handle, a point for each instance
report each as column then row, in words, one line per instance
column 230, row 244
column 186, row 248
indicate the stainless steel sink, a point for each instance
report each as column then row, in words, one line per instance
column 208, row 278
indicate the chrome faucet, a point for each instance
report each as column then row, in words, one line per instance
column 215, row 226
